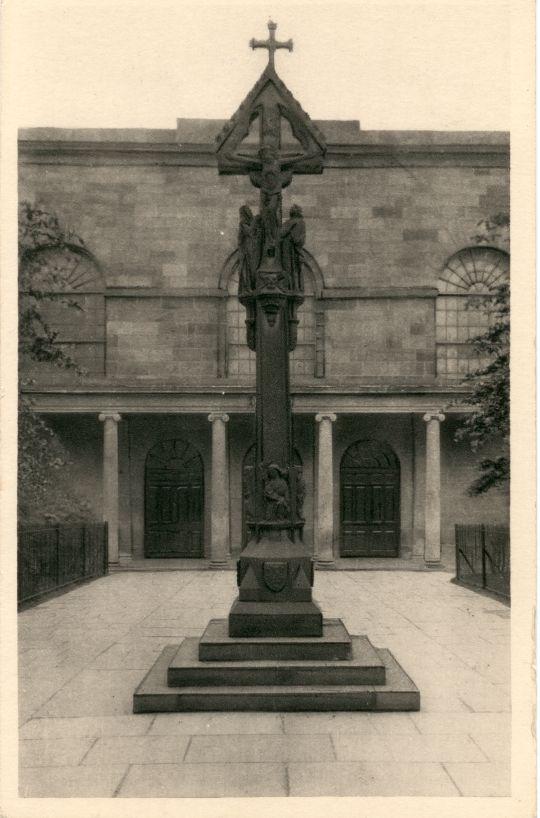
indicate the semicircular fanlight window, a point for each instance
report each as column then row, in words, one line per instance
column 369, row 454
column 464, row 311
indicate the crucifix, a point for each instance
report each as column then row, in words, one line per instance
column 271, row 169
column 264, row 655
column 271, row 43
column 275, row 568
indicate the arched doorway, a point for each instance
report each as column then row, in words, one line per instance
column 174, row 501
column 248, row 489
column 370, row 520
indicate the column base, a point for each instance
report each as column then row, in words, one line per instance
column 217, row 564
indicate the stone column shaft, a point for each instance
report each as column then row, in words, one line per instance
column 110, row 506
column 432, row 548
column 219, row 515
column 325, row 490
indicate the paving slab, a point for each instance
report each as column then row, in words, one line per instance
column 462, row 722
column 412, row 748
column 481, row 780
column 49, row 752
column 487, row 699
column 495, row 746
column 442, row 703
column 359, row 747
column 138, row 750
column 94, row 693
column 70, row 782
column 204, row 781
column 311, row 723
column 89, row 726
column 389, row 724
column 215, row 723
column 125, row 656
column 267, row 748
column 370, row 779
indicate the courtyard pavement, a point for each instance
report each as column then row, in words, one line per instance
column 83, row 653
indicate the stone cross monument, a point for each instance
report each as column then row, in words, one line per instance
column 275, row 571
column 273, row 652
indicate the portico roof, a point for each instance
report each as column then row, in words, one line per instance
column 165, row 398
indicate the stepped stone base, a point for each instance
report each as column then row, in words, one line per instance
column 272, row 619
column 217, row 646
column 364, row 667
column 155, row 693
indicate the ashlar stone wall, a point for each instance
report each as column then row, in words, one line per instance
column 381, row 339
column 161, row 228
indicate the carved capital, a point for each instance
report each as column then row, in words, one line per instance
column 218, row 416
column 434, row 416
column 325, row 416
column 103, row 416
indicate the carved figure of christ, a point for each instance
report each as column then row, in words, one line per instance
column 271, row 171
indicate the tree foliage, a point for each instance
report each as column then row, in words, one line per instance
column 490, row 419
column 45, row 484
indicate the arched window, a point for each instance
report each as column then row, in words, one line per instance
column 241, row 359
column 302, row 360
column 462, row 309
column 74, row 304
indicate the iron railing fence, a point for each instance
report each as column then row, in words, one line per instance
column 483, row 557
column 50, row 557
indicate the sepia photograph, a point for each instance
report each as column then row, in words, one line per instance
column 257, row 342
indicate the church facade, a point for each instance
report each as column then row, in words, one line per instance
column 161, row 426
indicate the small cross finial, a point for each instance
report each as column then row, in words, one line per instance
column 271, row 43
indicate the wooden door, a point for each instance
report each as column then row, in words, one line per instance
column 174, row 501
column 370, row 488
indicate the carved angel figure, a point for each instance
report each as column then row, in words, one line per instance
column 293, row 237
column 249, row 248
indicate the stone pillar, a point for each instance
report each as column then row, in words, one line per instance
column 110, row 422
column 325, row 490
column 219, row 514
column 432, row 547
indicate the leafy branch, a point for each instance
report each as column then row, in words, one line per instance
column 45, row 482
column 490, row 396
